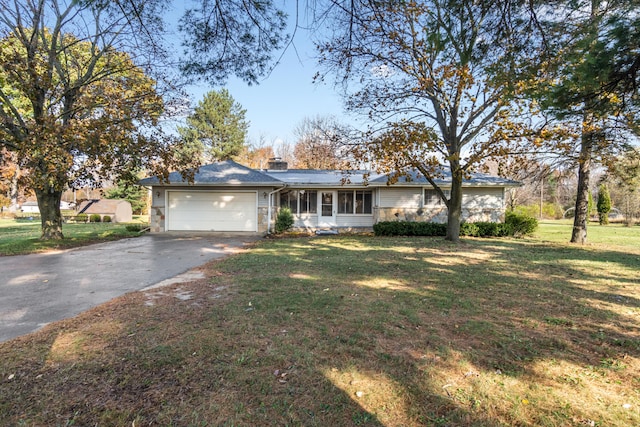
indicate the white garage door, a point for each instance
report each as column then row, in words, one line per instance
column 210, row 211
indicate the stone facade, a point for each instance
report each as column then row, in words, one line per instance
column 263, row 218
column 156, row 219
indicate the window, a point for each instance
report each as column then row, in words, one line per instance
column 363, row 202
column 308, row 201
column 289, row 199
column 432, row 198
column 345, row 202
column 355, row 202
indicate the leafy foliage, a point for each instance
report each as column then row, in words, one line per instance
column 95, row 218
column 588, row 44
column 514, row 225
column 216, row 130
column 74, row 109
column 440, row 76
column 284, row 220
column 320, row 144
column 603, row 205
column 136, row 195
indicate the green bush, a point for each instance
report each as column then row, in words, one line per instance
column 407, row 228
column 106, row 218
column 549, row 210
column 284, row 220
column 514, row 225
column 95, row 218
column 520, row 225
column 603, row 204
column 82, row 217
column 134, row 228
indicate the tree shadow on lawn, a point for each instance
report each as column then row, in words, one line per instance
column 344, row 331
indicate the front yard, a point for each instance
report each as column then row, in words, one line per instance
column 22, row 236
column 352, row 330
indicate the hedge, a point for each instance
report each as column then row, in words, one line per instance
column 514, row 225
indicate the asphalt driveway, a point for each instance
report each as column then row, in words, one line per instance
column 41, row 288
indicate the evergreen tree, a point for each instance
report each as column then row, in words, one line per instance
column 217, row 128
column 604, row 204
column 134, row 194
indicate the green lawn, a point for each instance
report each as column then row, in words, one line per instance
column 354, row 330
column 612, row 234
column 23, row 236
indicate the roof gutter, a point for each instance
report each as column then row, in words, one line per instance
column 277, row 190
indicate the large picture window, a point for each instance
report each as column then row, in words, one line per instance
column 355, row 202
column 308, row 201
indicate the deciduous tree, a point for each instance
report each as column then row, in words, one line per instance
column 320, row 143
column 74, row 108
column 440, row 78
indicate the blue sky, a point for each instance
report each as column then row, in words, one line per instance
column 287, row 96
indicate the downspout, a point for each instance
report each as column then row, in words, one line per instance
column 277, row 190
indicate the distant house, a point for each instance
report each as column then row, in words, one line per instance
column 227, row 196
column 30, row 207
column 118, row 210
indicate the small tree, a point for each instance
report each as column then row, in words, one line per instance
column 284, row 220
column 604, row 204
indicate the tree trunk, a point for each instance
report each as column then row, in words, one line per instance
column 454, row 208
column 13, row 186
column 581, row 217
column 49, row 205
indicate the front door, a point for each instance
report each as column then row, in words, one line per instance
column 327, row 216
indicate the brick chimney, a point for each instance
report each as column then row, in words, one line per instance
column 276, row 164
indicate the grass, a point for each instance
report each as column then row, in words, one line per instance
column 18, row 237
column 352, row 330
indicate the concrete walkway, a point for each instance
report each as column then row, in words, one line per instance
column 41, row 288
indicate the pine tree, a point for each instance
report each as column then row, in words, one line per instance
column 604, row 204
column 217, row 128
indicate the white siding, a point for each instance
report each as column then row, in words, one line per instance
column 355, row 220
column 306, row 221
column 400, row 197
column 482, row 198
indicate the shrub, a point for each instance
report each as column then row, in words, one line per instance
column 81, row 217
column 284, row 220
column 514, row 225
column 106, row 218
column 133, row 228
column 407, row 228
column 604, row 204
column 520, row 225
column 95, row 218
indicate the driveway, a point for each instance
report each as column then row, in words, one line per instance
column 42, row 288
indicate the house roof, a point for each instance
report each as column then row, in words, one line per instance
column 100, row 206
column 319, row 177
column 231, row 173
column 226, row 172
column 473, row 180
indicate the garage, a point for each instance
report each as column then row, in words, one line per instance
column 211, row 211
